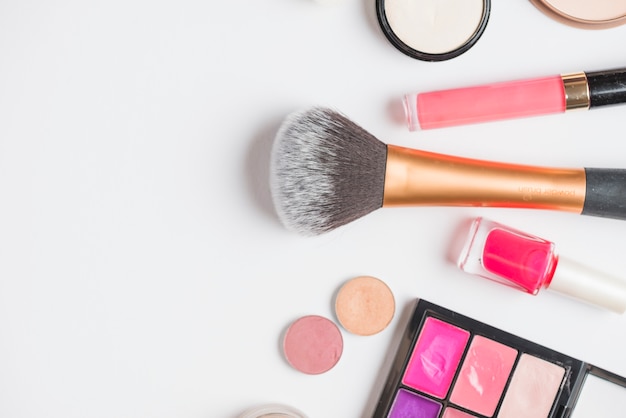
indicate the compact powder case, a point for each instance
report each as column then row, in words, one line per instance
column 273, row 411
column 596, row 14
column 438, row 30
column 433, row 30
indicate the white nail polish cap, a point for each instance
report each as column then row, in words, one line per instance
column 581, row 282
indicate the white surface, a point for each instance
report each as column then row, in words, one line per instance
column 600, row 398
column 142, row 269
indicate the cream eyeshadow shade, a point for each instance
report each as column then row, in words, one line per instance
column 434, row 26
column 533, row 388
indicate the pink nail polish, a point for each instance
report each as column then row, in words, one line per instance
column 530, row 263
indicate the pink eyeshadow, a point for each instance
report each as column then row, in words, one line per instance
column 483, row 375
column 455, row 413
column 435, row 358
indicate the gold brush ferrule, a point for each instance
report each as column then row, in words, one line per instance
column 576, row 91
column 420, row 178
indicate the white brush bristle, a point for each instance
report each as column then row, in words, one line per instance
column 325, row 171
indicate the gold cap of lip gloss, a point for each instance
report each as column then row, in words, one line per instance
column 576, row 91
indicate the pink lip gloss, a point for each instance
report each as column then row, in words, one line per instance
column 515, row 99
column 530, row 263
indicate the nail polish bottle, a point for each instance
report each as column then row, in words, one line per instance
column 530, row 263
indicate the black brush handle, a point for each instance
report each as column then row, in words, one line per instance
column 605, row 193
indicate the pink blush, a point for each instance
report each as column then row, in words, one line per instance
column 483, row 376
column 435, row 358
column 313, row 344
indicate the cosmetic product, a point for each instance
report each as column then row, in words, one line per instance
column 433, row 30
column 364, row 305
column 273, row 411
column 313, row 344
column 596, row 14
column 529, row 263
column 327, row 171
column 451, row 366
column 515, row 99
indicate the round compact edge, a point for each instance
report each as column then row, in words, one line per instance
column 422, row 54
column 584, row 19
column 273, row 411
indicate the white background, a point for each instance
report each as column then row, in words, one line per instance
column 143, row 272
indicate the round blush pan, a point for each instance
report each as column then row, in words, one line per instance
column 433, row 30
column 313, row 344
column 364, row 305
column 587, row 14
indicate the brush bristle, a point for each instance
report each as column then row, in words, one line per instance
column 326, row 171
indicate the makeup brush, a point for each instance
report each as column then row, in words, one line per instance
column 327, row 171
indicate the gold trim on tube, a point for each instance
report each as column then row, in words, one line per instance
column 421, row 178
column 576, row 91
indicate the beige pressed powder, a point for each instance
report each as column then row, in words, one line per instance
column 433, row 30
column 364, row 305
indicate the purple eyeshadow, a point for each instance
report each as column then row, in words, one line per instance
column 410, row 405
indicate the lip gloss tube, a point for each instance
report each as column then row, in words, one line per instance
column 515, row 99
column 529, row 263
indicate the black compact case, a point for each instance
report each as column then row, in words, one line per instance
column 396, row 40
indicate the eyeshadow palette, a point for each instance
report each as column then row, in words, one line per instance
column 452, row 366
